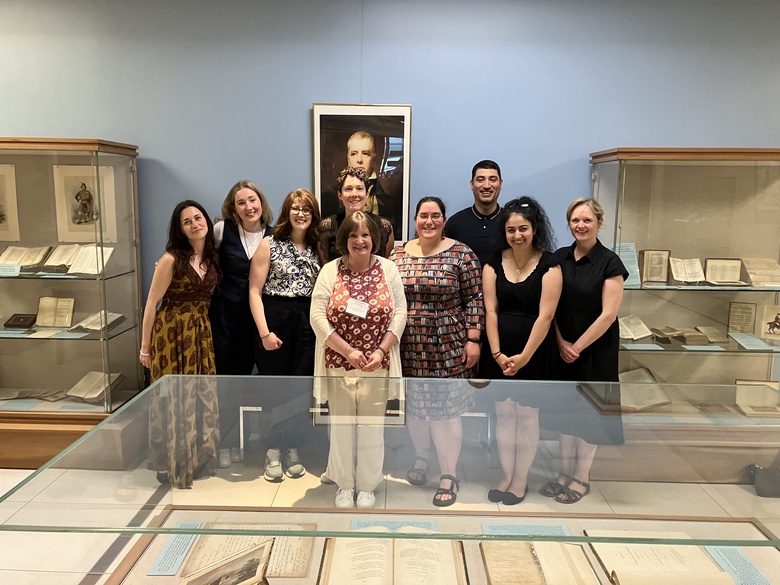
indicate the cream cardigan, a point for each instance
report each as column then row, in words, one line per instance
column 318, row 317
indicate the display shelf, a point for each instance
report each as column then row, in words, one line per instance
column 76, row 200
column 696, row 204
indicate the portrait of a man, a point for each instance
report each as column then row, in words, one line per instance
column 370, row 138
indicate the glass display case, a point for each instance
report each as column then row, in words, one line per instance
column 69, row 285
column 101, row 515
column 698, row 229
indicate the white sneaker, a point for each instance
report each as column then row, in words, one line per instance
column 366, row 499
column 273, row 465
column 345, row 498
column 224, row 458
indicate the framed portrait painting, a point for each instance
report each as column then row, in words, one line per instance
column 9, row 214
column 376, row 138
column 85, row 201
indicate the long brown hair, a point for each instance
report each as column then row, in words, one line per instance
column 283, row 228
column 179, row 246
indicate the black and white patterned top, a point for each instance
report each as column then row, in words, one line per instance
column 291, row 273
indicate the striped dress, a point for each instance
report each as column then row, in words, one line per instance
column 444, row 300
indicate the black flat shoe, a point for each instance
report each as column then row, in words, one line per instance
column 496, row 496
column 162, row 477
column 511, row 499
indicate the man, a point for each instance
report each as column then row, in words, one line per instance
column 476, row 226
column 361, row 154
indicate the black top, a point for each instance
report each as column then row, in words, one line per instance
column 234, row 263
column 580, row 305
column 475, row 230
column 518, row 310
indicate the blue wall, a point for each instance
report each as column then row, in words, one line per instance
column 217, row 91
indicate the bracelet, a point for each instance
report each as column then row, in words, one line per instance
column 496, row 354
column 266, row 335
column 384, row 353
column 495, row 357
column 472, row 340
column 142, row 354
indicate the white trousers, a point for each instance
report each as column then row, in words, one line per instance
column 357, row 402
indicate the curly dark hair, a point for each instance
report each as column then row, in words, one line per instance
column 529, row 208
column 359, row 174
column 179, row 246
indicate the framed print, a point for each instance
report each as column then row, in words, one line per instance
column 9, row 215
column 84, row 198
column 376, row 138
column 770, row 324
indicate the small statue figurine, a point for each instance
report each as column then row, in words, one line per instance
column 85, row 212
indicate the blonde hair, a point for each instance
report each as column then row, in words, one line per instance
column 594, row 205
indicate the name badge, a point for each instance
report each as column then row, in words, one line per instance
column 357, row 308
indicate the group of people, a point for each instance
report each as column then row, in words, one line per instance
column 483, row 293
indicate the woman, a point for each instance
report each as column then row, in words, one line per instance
column 281, row 281
column 443, row 286
column 352, row 193
column 176, row 339
column 247, row 217
column 588, row 341
column 358, row 313
column 521, row 283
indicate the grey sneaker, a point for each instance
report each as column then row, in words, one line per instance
column 293, row 467
column 273, row 465
column 224, row 458
column 345, row 498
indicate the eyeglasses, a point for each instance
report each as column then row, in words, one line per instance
column 298, row 210
column 431, row 216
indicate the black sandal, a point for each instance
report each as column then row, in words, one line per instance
column 417, row 475
column 552, row 488
column 571, row 496
column 452, row 492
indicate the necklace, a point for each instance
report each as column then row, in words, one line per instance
column 519, row 269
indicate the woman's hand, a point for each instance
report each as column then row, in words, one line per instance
column 271, row 342
column 374, row 360
column 356, row 358
column 145, row 357
column 513, row 364
column 567, row 351
column 471, row 354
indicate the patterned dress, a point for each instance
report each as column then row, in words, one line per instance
column 444, row 301
column 183, row 415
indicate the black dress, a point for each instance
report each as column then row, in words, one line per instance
column 518, row 310
column 579, row 306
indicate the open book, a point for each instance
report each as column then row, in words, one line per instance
column 632, row 327
column 246, row 567
column 62, row 257
column 21, row 256
column 55, row 312
column 100, row 321
column 762, row 271
column 725, row 272
column 651, row 564
column 758, row 398
column 90, row 259
column 639, row 391
column 687, row 271
column 392, row 561
column 654, row 265
column 510, row 562
column 92, row 387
